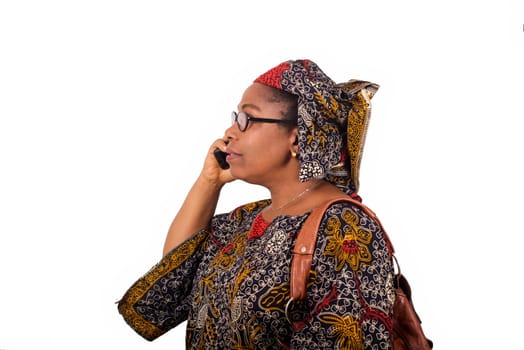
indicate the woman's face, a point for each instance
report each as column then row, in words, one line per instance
column 262, row 153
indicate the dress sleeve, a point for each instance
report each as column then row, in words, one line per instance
column 158, row 301
column 350, row 293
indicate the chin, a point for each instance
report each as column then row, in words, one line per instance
column 240, row 175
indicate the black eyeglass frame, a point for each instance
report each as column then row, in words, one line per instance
column 249, row 118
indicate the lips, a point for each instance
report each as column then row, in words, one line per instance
column 231, row 154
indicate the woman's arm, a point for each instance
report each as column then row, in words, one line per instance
column 200, row 203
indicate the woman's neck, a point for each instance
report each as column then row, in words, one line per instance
column 289, row 196
column 299, row 199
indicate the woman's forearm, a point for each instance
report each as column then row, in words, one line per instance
column 194, row 214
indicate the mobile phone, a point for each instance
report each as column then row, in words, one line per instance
column 221, row 158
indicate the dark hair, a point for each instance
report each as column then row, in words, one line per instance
column 289, row 100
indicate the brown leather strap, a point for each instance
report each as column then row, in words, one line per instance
column 305, row 246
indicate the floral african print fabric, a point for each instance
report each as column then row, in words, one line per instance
column 231, row 283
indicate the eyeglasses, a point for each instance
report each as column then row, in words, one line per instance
column 242, row 119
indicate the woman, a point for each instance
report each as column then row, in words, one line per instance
column 300, row 135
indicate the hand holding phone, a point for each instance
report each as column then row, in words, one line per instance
column 221, row 158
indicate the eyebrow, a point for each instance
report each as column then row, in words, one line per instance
column 250, row 105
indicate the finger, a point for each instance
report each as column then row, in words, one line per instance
column 218, row 143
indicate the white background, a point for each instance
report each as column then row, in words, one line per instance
column 108, row 107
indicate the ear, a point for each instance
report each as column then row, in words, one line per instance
column 293, row 139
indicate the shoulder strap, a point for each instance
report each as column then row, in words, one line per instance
column 305, row 246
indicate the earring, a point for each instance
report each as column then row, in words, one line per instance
column 293, row 154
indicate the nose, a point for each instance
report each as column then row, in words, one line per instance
column 232, row 132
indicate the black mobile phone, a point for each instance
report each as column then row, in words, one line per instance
column 221, row 158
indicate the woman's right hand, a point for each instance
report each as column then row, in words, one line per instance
column 211, row 171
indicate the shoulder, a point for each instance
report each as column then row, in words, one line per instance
column 351, row 210
column 239, row 216
column 247, row 211
column 224, row 226
column 345, row 221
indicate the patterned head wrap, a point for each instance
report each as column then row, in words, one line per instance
column 332, row 121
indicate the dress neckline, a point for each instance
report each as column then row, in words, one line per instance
column 258, row 227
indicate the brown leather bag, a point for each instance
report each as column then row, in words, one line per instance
column 407, row 328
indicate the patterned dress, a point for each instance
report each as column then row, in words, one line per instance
column 231, row 283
